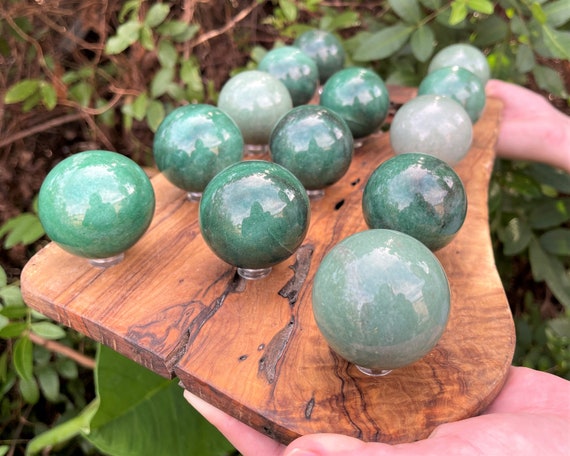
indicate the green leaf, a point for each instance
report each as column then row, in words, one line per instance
column 14, row 312
column 548, row 175
column 549, row 79
column 30, row 391
column 515, row 236
column 458, row 12
column 383, row 43
column 160, row 82
column 49, row 383
column 24, row 228
column 344, row 20
column 408, row 10
column 67, row 368
column 131, row 397
column 481, row 6
column 22, row 90
column 13, row 330
column 167, row 54
column 556, row 241
column 156, row 14
column 174, row 28
column 550, row 213
column 146, row 38
column 187, row 34
column 127, row 34
column 155, row 114
column 423, row 43
column 557, row 12
column 23, row 358
column 49, row 95
column 490, row 31
column 82, row 93
column 560, row 325
column 48, row 330
column 140, row 106
column 550, row 269
column 3, row 277
column 289, row 10
column 525, row 60
column 538, row 13
column 11, row 296
column 64, row 431
column 557, row 42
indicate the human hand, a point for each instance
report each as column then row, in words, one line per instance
column 530, row 416
column 531, row 128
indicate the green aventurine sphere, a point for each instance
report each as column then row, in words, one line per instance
column 325, row 49
column 465, row 56
column 433, row 125
column 314, row 143
column 360, row 97
column 96, row 204
column 254, row 214
column 381, row 300
column 194, row 143
column 416, row 194
column 255, row 100
column 295, row 69
column 459, row 84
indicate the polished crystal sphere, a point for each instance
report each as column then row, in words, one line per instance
column 416, row 194
column 194, row 143
column 314, row 143
column 295, row 69
column 434, row 125
column 465, row 56
column 381, row 300
column 459, row 84
column 96, row 204
column 360, row 97
column 255, row 100
column 325, row 49
column 254, row 215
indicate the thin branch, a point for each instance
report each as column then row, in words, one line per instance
column 227, row 26
column 41, row 127
column 70, row 353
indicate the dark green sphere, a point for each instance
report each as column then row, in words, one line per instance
column 325, row 49
column 254, row 214
column 416, row 194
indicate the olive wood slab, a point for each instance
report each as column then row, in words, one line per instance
column 253, row 350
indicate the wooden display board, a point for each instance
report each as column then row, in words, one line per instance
column 253, row 349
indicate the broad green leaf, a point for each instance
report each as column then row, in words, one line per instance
column 556, row 241
column 48, row 330
column 48, row 381
column 548, row 175
column 538, row 13
column 24, row 228
column 384, row 43
column 490, row 31
column 160, row 82
column 187, row 34
column 155, row 114
column 64, row 431
column 156, row 14
column 23, row 358
column 344, row 20
column 11, row 296
column 3, row 277
column 515, row 236
column 432, row 4
column 458, row 12
column 550, row 269
column 146, row 38
column 423, row 43
column 190, row 75
column 49, row 95
column 481, row 6
column 141, row 413
column 557, row 42
column 67, row 368
column 525, row 60
column 173, row 28
column 127, row 34
column 167, row 54
column 548, row 79
column 408, row 10
column 550, row 213
column 14, row 329
column 22, row 90
column 557, row 12
column 30, row 391
column 289, row 10
column 560, row 325
column 140, row 106
column 82, row 93
column 14, row 312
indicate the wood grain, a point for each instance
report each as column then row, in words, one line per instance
column 253, row 349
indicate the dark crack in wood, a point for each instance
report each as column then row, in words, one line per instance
column 301, row 270
column 235, row 285
column 309, row 408
column 274, row 351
